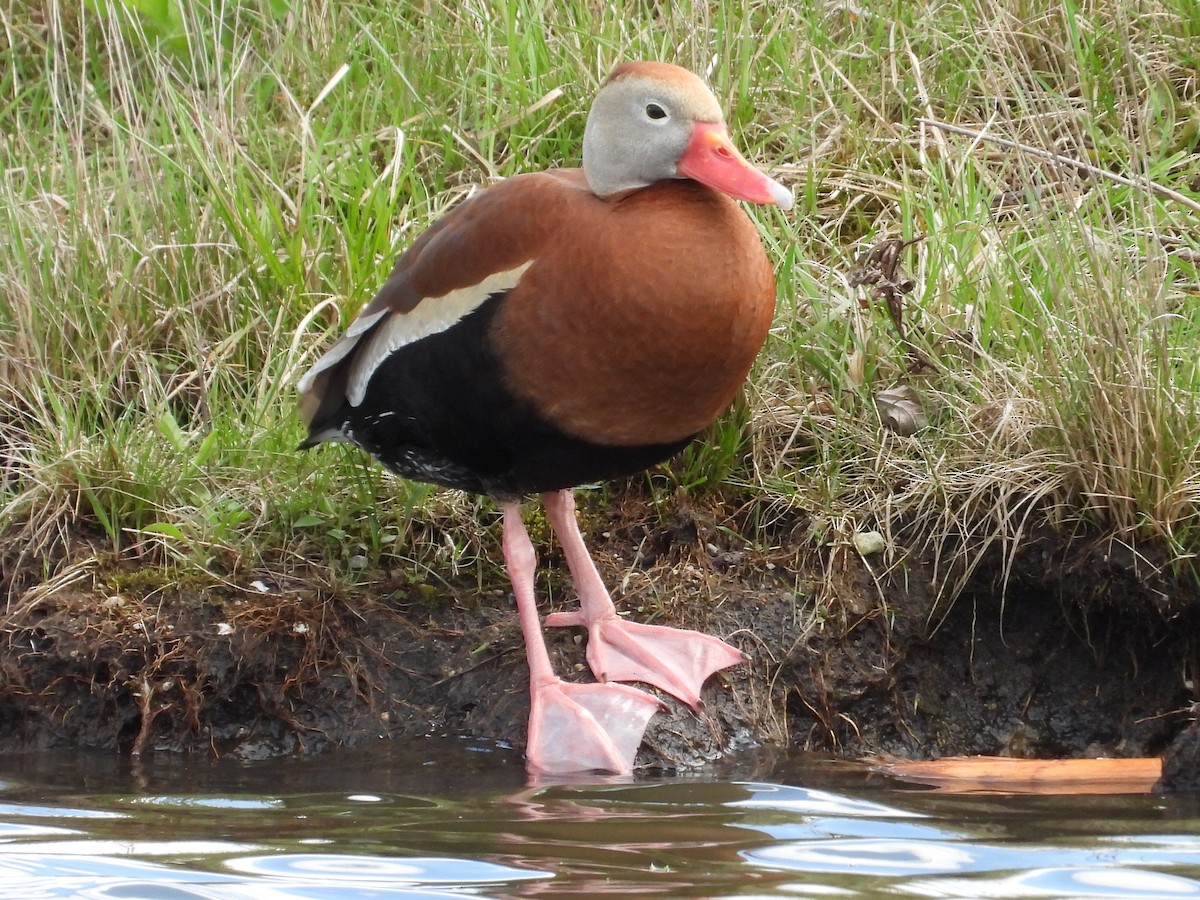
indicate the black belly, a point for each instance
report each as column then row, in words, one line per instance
column 438, row 411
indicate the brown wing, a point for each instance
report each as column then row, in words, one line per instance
column 496, row 231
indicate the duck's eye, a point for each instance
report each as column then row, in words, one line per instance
column 654, row 111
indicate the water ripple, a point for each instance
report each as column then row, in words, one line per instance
column 1131, row 884
column 345, row 868
column 812, row 802
column 866, row 857
column 250, row 803
column 22, row 810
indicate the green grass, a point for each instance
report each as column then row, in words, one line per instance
column 195, row 197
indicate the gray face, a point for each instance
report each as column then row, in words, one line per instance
column 637, row 130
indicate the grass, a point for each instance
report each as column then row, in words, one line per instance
column 196, row 197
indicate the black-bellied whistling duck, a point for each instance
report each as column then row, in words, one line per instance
column 563, row 327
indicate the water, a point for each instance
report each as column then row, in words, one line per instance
column 448, row 819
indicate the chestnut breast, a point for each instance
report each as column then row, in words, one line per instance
column 641, row 316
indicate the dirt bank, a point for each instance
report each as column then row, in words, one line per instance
column 1088, row 652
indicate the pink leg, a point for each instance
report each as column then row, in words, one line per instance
column 572, row 727
column 675, row 660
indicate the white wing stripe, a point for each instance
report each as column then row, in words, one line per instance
column 329, row 359
column 336, row 353
column 362, row 323
column 429, row 317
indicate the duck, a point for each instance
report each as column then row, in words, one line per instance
column 560, row 328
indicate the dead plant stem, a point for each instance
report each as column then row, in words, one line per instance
column 1140, row 182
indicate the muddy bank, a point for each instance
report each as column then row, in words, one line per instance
column 1088, row 652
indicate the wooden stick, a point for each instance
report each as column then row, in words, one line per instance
column 993, row 774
